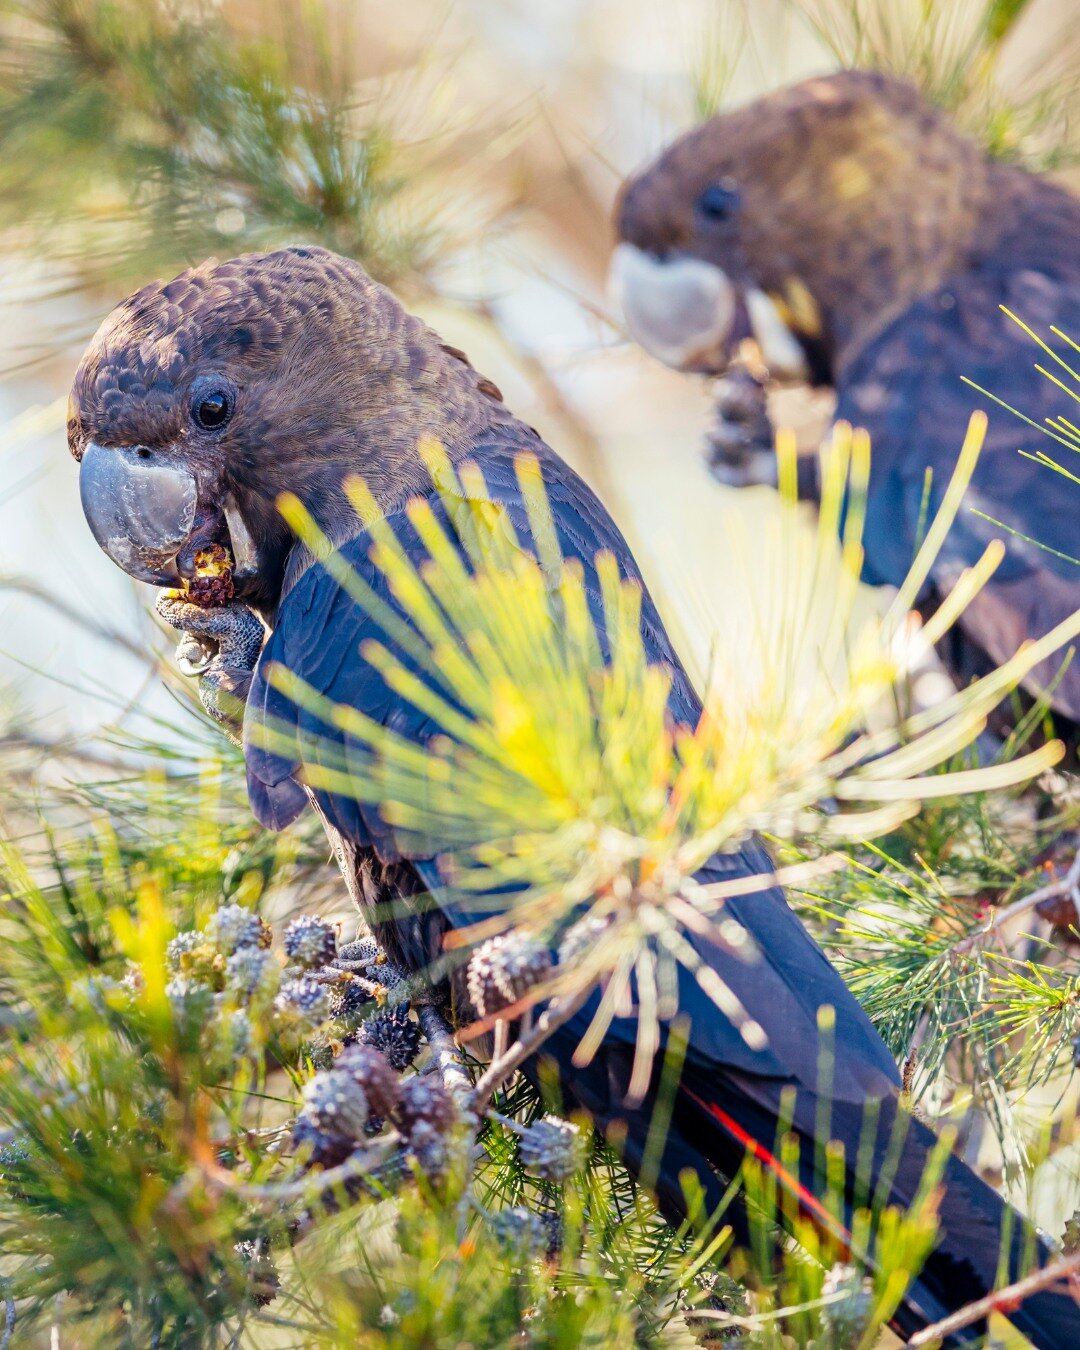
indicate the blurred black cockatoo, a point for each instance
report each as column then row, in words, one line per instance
column 196, row 405
column 864, row 243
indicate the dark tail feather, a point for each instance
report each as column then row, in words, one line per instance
column 738, row 1114
column 600, row 1088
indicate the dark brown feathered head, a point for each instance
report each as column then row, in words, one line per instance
column 803, row 219
column 199, row 401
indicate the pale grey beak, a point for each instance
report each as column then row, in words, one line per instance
column 140, row 506
column 682, row 310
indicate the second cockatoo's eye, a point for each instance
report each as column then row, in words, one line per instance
column 719, row 202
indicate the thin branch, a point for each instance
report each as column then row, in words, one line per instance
column 444, row 1050
column 362, row 1163
column 81, row 754
column 589, row 453
column 1002, row 1300
column 555, row 1016
column 502, row 1038
column 1068, row 884
column 344, row 974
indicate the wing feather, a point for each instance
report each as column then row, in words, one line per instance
column 910, row 390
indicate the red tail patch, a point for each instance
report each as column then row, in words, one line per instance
column 808, row 1202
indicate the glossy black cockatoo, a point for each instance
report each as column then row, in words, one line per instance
column 196, row 405
column 849, row 228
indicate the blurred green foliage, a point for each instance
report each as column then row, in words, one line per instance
column 961, row 53
column 139, row 134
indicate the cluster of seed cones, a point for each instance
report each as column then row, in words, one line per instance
column 349, row 1010
column 237, row 996
column 363, row 1092
column 366, row 1090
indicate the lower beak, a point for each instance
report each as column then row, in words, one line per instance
column 682, row 310
column 140, row 506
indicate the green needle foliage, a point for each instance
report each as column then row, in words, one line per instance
column 149, row 1194
column 1058, row 364
column 911, row 924
column 181, row 136
column 109, row 1119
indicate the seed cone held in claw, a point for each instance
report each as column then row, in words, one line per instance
column 212, row 585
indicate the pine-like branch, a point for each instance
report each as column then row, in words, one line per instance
column 1002, row 1300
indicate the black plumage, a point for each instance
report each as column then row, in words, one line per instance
column 914, row 386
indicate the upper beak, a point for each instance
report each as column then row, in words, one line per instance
column 683, row 310
column 140, row 507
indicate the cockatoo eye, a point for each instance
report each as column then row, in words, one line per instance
column 718, row 202
column 213, row 410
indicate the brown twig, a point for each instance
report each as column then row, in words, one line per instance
column 363, row 1163
column 69, row 749
column 1002, row 1300
column 586, row 445
column 341, row 974
column 1067, row 884
column 555, row 1015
